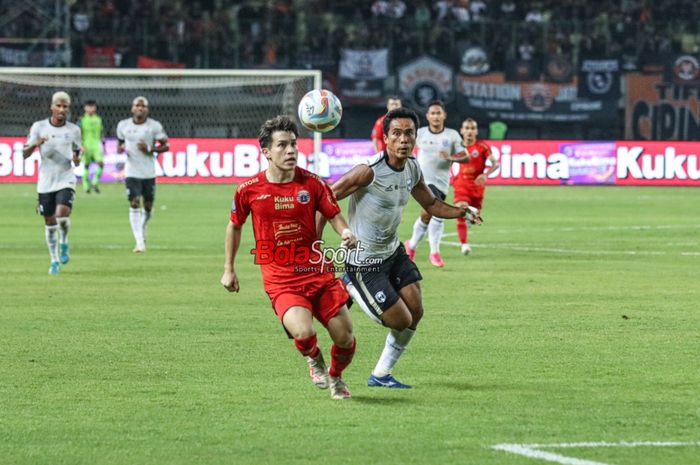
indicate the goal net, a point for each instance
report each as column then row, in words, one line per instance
column 189, row 103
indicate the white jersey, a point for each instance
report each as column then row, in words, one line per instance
column 436, row 170
column 138, row 164
column 375, row 211
column 55, row 169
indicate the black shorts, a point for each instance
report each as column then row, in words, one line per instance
column 137, row 187
column 437, row 192
column 49, row 200
column 377, row 286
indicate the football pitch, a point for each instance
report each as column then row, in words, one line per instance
column 570, row 335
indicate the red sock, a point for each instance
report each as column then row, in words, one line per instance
column 462, row 230
column 307, row 346
column 340, row 359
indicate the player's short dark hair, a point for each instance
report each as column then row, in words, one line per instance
column 278, row 123
column 439, row 103
column 90, row 102
column 400, row 112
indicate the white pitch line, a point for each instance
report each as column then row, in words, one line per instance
column 533, row 450
column 525, row 450
column 644, row 227
column 524, row 248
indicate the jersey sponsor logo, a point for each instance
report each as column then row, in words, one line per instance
column 303, row 197
column 261, row 197
column 284, row 202
column 380, row 297
column 286, row 228
column 248, row 183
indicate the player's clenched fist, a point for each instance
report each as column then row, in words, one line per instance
column 230, row 281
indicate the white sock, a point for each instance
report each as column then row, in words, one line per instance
column 395, row 345
column 435, row 229
column 419, row 229
column 146, row 217
column 136, row 220
column 64, row 224
column 52, row 241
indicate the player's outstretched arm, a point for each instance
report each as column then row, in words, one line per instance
column 358, row 176
column 340, row 226
column 231, row 243
column 436, row 207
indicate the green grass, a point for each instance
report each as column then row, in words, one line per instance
column 146, row 359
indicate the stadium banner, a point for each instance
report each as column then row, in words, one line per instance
column 523, row 162
column 657, row 110
column 362, row 75
column 683, row 70
column 492, row 97
column 425, row 79
column 599, row 77
column 45, row 55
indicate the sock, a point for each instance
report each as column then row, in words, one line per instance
column 52, row 241
column 435, row 230
column 86, row 175
column 96, row 176
column 136, row 220
column 64, row 225
column 307, row 346
column 462, row 230
column 340, row 359
column 395, row 345
column 419, row 229
column 146, row 217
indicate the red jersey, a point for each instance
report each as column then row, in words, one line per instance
column 284, row 225
column 480, row 152
column 378, row 132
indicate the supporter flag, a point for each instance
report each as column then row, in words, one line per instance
column 148, row 62
column 522, row 70
column 362, row 75
column 682, row 70
column 100, row 57
column 557, row 68
column 599, row 78
column 425, row 79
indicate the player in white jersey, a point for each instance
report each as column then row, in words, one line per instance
column 381, row 278
column 58, row 141
column 436, row 144
column 142, row 138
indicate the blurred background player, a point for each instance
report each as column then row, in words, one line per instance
column 470, row 182
column 92, row 129
column 58, row 141
column 436, row 144
column 392, row 103
column 283, row 201
column 381, row 278
column 142, row 138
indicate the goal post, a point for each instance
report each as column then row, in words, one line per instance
column 189, row 103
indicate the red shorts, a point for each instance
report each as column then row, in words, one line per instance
column 323, row 298
column 474, row 195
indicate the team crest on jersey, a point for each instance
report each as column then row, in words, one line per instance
column 475, row 153
column 380, row 297
column 303, row 197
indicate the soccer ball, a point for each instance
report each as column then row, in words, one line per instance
column 320, row 110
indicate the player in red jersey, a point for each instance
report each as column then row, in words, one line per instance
column 392, row 103
column 283, row 201
column 470, row 182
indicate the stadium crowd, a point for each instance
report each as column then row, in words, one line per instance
column 310, row 33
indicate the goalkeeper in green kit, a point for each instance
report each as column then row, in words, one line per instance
column 91, row 127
